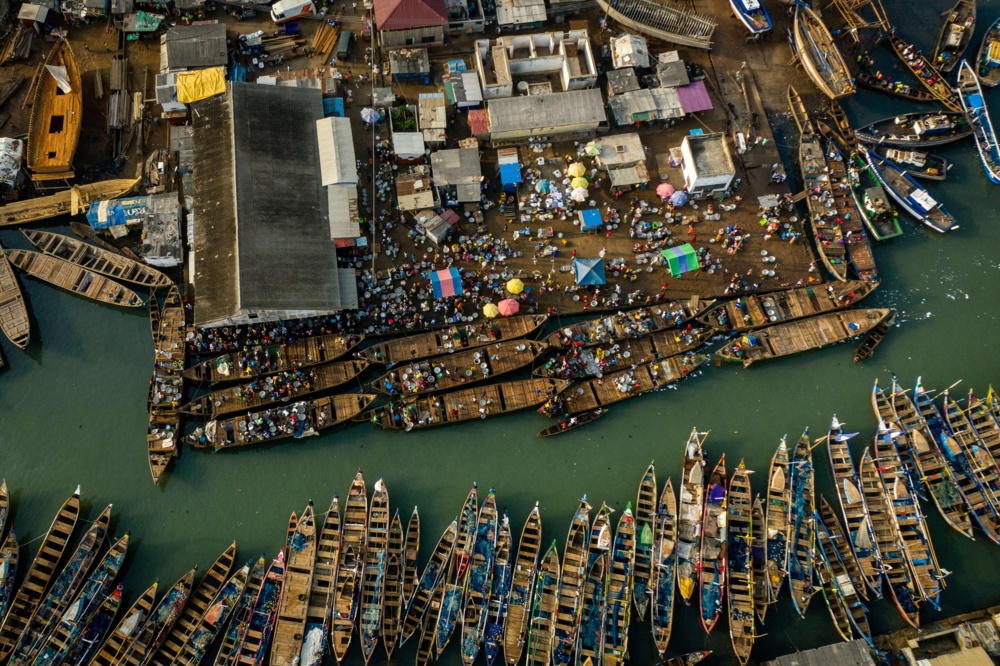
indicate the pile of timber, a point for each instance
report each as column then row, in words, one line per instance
column 324, row 40
column 119, row 110
column 283, row 46
column 119, row 73
column 18, row 46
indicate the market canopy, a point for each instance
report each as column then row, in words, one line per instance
column 681, row 259
column 508, row 307
column 589, row 272
column 515, row 286
column 490, row 310
column 590, row 219
column 446, row 283
column 579, row 181
column 576, row 169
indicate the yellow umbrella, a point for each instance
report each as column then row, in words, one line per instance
column 491, row 310
column 579, row 182
column 515, row 286
column 576, row 169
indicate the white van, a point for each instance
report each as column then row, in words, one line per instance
column 289, row 10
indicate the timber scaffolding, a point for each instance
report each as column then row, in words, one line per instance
column 666, row 22
column 863, row 14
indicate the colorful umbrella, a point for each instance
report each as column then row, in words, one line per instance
column 593, row 149
column 679, row 198
column 664, row 190
column 579, row 181
column 491, row 310
column 576, row 169
column 579, row 194
column 515, row 286
column 370, row 115
column 509, row 307
column 542, row 186
column 446, row 283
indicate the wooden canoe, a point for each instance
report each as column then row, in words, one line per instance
column 898, row 89
column 220, row 609
column 97, row 259
column 714, row 545
column 293, row 608
column 499, row 597
column 430, row 579
column 464, row 368
column 802, row 527
column 988, row 74
column 354, row 536
column 957, row 26
column 73, row 201
column 457, row 576
column 297, row 420
column 477, row 592
column 663, row 584
column 114, row 646
column 71, row 277
column 411, row 560
column 848, row 217
column 261, row 361
column 315, row 637
column 925, row 72
column 917, row 130
column 522, row 587
column 842, row 124
column 392, row 602
column 166, row 388
column 468, row 404
column 9, row 555
column 56, row 116
column 572, row 423
column 148, row 637
column 619, row 591
column 816, row 181
column 274, row 390
column 818, row 53
column 239, row 621
column 797, row 108
column 541, row 629
column 4, row 510
column 916, row 163
column 260, row 628
column 872, row 201
column 452, row 339
column 777, row 521
column 617, row 386
column 645, row 520
column 755, row 311
column 628, row 325
column 594, row 362
column 848, row 581
column 872, row 340
column 828, row 584
column 14, row 320
column 740, row 588
column 373, row 574
column 841, row 547
column 758, row 557
column 569, row 598
column 590, row 638
column 692, row 501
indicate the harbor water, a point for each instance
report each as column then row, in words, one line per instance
column 72, row 411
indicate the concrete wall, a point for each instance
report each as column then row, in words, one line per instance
column 414, row 37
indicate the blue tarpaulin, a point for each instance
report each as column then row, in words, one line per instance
column 510, row 175
column 589, row 272
column 590, row 219
column 104, row 214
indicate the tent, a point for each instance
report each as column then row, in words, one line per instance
column 590, row 219
column 589, row 272
column 446, row 283
column 681, row 259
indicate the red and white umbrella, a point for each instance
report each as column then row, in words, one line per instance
column 664, row 190
column 508, row 307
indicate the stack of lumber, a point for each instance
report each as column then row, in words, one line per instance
column 119, row 110
column 119, row 73
column 324, row 40
column 18, row 46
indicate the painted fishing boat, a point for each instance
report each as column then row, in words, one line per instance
column 890, row 544
column 73, row 201
column 590, row 636
column 872, row 202
column 802, row 526
column 988, row 58
column 428, row 633
column 776, row 532
column 541, row 627
column 799, row 336
column 628, row 325
column 392, row 595
column 752, row 14
column 373, row 574
column 14, row 320
column 842, row 545
column 617, row 386
column 758, row 556
column 496, row 609
column 692, row 502
column 572, row 423
column 353, row 542
column 454, row 371
column 925, row 72
column 293, row 608
column 819, row 55
column 714, row 547
column 457, row 577
column 847, row 214
column 98, row 260
column 847, row 579
column 645, row 519
column 521, row 588
column 40, row 574
column 175, row 623
column 957, row 26
column 975, row 450
column 758, row 310
column 740, row 583
column 569, row 599
column 467, row 404
column 239, row 622
column 4, row 509
column 167, row 385
column 927, row 166
column 978, row 113
column 89, row 638
column 984, row 422
column 882, row 404
column 315, row 639
column 72, row 278
column 150, row 634
column 56, row 117
column 260, row 627
column 294, row 421
column 477, row 590
column 842, row 123
column 219, row 611
column 829, row 586
column 596, row 361
column 411, row 559
column 619, row 589
column 917, row 130
column 907, row 192
column 432, row 574
column 894, row 88
column 662, row 584
column 8, row 570
column 260, row 361
column 114, row 646
column 452, row 339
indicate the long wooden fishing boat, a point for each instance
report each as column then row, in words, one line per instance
column 911, row 131
column 14, row 320
column 754, row 311
column 819, row 55
column 569, row 599
column 752, row 14
column 90, row 636
column 799, row 336
column 829, row 585
column 56, row 116
column 984, row 422
column 452, row 339
column 187, row 620
column 521, row 587
column 590, row 637
column 758, row 555
column 260, row 628
column 73, row 278
column 918, row 164
column 977, row 453
column 740, row 582
column 974, row 104
column 872, row 202
column 987, row 59
column 9, row 555
column 662, row 585
column 373, row 574
column 619, row 590
column 294, row 421
column 433, row 572
column 846, row 576
column 595, row 362
column 260, row 361
column 802, row 527
column 392, row 599
column 669, row 23
column 148, row 637
column 40, row 574
column 215, row 618
column 239, row 623
column 457, row 577
column 73, row 201
column 957, row 26
column 628, row 325
column 114, row 646
column 428, row 635
column 890, row 544
column 353, row 543
column 842, row 123
column 621, row 385
column 842, row 547
column 274, row 390
column 541, row 628
column 468, row 404
column 925, row 72
column 848, row 217
column 315, row 641
column 645, row 520
column 166, row 387
column 464, row 368
column 477, row 589
column 714, row 547
column 776, row 532
column 572, row 423
column 499, row 596
column 4, row 509
column 897, row 89
column 914, row 199
column 411, row 559
column 689, row 525
column 97, row 259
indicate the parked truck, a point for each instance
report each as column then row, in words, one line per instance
column 289, row 10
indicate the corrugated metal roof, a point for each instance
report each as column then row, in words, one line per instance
column 855, row 653
column 457, row 166
column 652, row 104
column 408, row 144
column 406, row 14
column 629, row 50
column 432, row 111
column 516, row 12
column 193, row 46
column 575, row 107
column 694, row 97
column 625, row 176
column 347, row 279
column 337, row 162
column 342, row 202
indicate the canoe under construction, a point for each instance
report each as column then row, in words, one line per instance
column 260, row 361
column 61, row 273
column 468, row 404
column 56, row 116
column 662, row 21
column 792, row 338
column 660, row 345
column 452, row 339
column 819, row 54
column 13, row 313
column 297, row 420
column 69, row 202
column 97, row 259
column 273, row 390
column 758, row 310
column 627, row 325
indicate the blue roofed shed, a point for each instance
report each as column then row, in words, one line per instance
column 590, row 219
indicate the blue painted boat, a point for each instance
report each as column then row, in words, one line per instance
column 838, row 587
column 971, row 95
column 260, row 628
column 239, row 619
column 664, row 568
column 8, row 570
column 496, row 610
column 752, row 15
column 914, row 199
column 480, row 581
column 87, row 642
column 802, row 533
column 590, row 637
column 458, row 574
